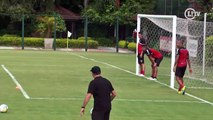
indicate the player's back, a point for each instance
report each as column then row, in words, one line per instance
column 183, row 56
column 103, row 89
column 155, row 53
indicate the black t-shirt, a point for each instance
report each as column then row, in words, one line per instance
column 101, row 89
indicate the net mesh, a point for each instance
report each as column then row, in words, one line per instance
column 158, row 33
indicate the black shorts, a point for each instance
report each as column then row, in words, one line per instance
column 141, row 60
column 100, row 114
column 158, row 61
column 180, row 71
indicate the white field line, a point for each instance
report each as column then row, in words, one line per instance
column 208, row 88
column 124, row 100
column 195, row 97
column 16, row 82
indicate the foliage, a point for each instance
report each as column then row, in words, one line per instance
column 9, row 35
column 209, row 49
column 45, row 24
column 132, row 46
column 62, row 43
column 105, row 42
column 83, row 38
column 16, row 8
column 122, row 44
column 39, row 42
column 106, row 12
column 16, row 41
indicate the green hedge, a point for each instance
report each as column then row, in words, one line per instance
column 39, row 42
column 122, row 44
column 101, row 41
column 16, row 41
column 62, row 43
column 132, row 46
column 33, row 42
column 105, row 42
column 209, row 49
column 83, row 38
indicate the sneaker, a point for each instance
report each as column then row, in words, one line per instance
column 151, row 78
column 183, row 90
column 142, row 75
column 180, row 92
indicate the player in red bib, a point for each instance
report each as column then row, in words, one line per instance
column 140, row 54
column 182, row 58
column 155, row 57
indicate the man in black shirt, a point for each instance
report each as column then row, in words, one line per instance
column 103, row 93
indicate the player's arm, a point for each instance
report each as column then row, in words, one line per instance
column 151, row 59
column 113, row 95
column 141, row 55
column 86, row 100
column 189, row 63
column 176, row 61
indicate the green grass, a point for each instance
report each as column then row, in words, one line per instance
column 48, row 74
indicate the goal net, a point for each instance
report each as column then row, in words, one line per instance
column 161, row 33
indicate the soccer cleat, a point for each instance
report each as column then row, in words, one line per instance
column 183, row 90
column 180, row 92
column 142, row 75
column 151, row 78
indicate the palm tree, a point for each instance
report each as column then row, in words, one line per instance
column 46, row 25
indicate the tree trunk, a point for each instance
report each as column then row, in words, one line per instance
column 117, row 3
column 86, row 3
column 48, row 35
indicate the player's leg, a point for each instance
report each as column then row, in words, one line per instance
column 142, row 69
column 179, row 73
column 141, row 63
column 183, row 89
column 178, row 79
column 97, row 115
column 107, row 115
column 155, row 67
column 154, row 71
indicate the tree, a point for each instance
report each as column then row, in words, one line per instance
column 106, row 11
column 15, row 9
column 45, row 25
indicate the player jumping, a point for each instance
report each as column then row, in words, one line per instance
column 155, row 57
column 182, row 58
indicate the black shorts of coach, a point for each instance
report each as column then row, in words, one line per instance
column 158, row 61
column 180, row 71
column 101, row 114
column 140, row 59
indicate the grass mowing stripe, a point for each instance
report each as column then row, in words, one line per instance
column 16, row 82
column 113, row 66
column 124, row 100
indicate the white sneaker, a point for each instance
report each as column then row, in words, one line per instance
column 142, row 75
column 151, row 78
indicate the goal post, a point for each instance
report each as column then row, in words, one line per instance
column 161, row 33
column 173, row 48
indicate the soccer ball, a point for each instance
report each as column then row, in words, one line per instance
column 3, row 108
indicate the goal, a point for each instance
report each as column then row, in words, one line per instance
column 161, row 33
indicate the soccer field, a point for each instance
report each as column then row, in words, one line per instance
column 56, row 83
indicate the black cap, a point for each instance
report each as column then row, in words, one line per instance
column 96, row 70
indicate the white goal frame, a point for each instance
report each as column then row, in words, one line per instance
column 174, row 25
